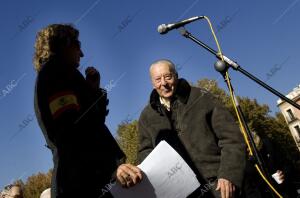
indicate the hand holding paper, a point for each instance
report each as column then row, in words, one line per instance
column 165, row 174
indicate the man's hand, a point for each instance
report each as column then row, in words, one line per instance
column 281, row 175
column 227, row 188
column 128, row 175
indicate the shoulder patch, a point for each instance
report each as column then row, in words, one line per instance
column 62, row 101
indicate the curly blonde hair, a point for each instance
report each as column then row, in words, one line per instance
column 50, row 40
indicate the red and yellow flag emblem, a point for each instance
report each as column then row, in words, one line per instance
column 61, row 102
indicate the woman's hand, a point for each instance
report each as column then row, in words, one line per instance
column 93, row 77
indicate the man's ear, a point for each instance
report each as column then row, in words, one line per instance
column 176, row 75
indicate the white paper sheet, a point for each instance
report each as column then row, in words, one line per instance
column 166, row 175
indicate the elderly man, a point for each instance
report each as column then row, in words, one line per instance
column 197, row 126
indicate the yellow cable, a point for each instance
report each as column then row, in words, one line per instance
column 232, row 97
column 227, row 78
column 214, row 35
column 247, row 141
column 266, row 180
column 242, row 127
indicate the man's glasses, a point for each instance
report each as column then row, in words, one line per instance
column 166, row 77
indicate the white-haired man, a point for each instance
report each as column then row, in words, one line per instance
column 196, row 125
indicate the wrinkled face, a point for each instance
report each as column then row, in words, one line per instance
column 73, row 53
column 163, row 79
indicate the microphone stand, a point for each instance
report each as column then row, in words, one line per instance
column 237, row 67
column 222, row 67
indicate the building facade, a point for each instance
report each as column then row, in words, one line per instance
column 292, row 114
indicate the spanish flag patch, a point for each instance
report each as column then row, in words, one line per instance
column 63, row 101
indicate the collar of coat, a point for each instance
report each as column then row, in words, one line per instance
column 182, row 93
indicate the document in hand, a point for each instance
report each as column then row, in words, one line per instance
column 165, row 175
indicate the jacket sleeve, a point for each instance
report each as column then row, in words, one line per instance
column 101, row 103
column 69, row 127
column 231, row 143
column 71, row 122
column 145, row 142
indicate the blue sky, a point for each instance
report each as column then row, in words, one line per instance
column 120, row 39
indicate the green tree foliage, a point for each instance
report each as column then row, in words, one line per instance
column 258, row 118
column 128, row 140
column 36, row 184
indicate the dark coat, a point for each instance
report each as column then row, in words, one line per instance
column 273, row 160
column 71, row 116
column 199, row 128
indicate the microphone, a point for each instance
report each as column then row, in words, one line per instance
column 165, row 28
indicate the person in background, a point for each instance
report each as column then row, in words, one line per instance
column 12, row 191
column 274, row 163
